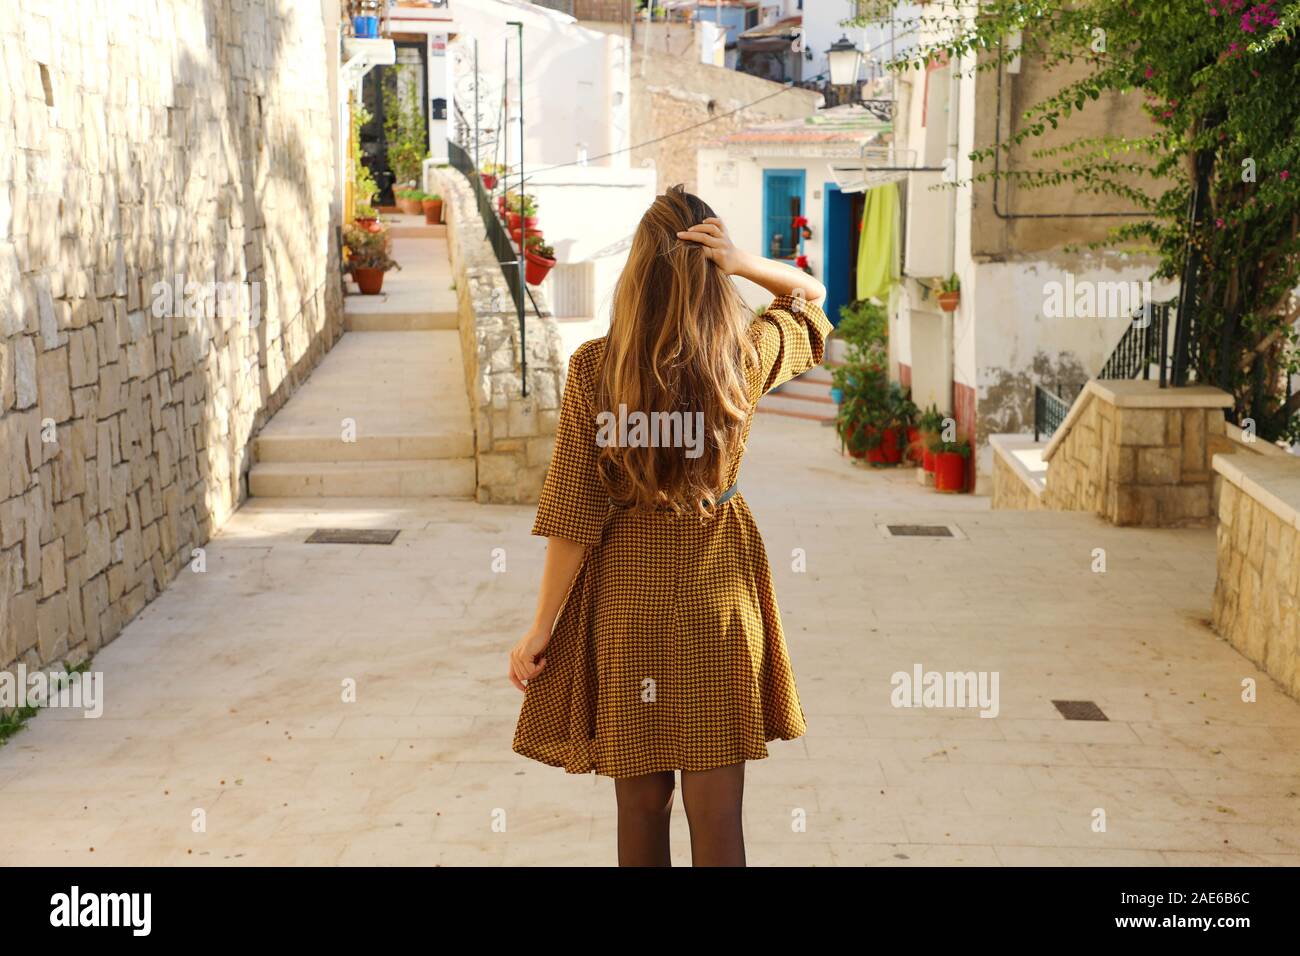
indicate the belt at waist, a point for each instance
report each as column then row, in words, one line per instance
column 722, row 498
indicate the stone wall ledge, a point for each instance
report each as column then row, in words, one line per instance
column 1136, row 393
column 1021, row 454
column 1272, row 481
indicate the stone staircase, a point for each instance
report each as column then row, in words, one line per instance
column 385, row 414
column 807, row 396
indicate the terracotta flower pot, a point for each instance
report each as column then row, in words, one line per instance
column 536, row 268
column 412, row 207
column 518, row 234
column 369, row 224
column 948, row 301
column 949, row 472
column 369, row 281
column 432, row 211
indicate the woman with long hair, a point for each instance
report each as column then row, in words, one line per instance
column 657, row 643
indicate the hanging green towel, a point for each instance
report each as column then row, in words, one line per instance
column 878, row 243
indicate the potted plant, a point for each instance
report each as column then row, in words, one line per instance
column 950, row 459
column 539, row 260
column 368, row 257
column 432, row 204
column 521, row 208
column 410, row 201
column 905, row 415
column 949, row 293
column 489, row 174
column 367, row 218
column 863, row 418
column 929, row 427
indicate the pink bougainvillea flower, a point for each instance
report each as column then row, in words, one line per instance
column 1149, row 73
column 1285, row 175
column 1218, row 223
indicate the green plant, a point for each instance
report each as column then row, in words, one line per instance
column 931, row 421
column 493, row 169
column 364, row 186
column 864, row 411
column 939, row 446
column 950, row 284
column 17, row 718
column 367, row 250
column 539, row 247
column 863, row 325
column 523, row 205
column 902, row 409
column 405, row 134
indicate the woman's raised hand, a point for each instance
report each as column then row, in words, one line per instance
column 718, row 247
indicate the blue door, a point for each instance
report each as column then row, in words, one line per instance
column 839, row 247
column 782, row 202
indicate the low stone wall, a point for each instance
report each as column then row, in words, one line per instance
column 158, row 163
column 1137, row 454
column 513, row 433
column 1257, row 590
column 1013, row 489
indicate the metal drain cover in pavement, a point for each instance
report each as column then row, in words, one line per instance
column 1079, row 710
column 919, row 531
column 352, row 536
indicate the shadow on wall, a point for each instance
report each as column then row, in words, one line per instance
column 201, row 148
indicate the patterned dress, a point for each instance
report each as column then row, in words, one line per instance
column 668, row 652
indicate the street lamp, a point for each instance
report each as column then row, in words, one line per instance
column 844, row 59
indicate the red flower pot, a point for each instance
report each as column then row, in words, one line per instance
column 949, row 472
column 887, row 452
column 514, row 219
column 489, row 181
column 369, row 281
column 501, row 206
column 433, row 211
column 536, row 268
column 948, row 301
column 927, row 460
column 369, row 224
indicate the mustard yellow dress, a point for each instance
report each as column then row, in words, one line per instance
column 668, row 653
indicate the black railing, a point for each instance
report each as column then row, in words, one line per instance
column 1051, row 405
column 1145, row 343
column 504, row 250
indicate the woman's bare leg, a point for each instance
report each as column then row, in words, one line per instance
column 713, row 801
column 645, row 805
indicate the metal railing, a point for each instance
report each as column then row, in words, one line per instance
column 1051, row 405
column 1145, row 343
column 502, row 247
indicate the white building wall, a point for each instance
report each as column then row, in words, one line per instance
column 823, row 25
column 732, row 183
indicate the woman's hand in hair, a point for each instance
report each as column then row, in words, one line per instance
column 718, row 247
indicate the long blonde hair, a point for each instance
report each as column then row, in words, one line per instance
column 678, row 342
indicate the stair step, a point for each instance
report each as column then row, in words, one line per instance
column 443, row 478
column 307, row 447
column 417, row 231
column 809, row 391
column 360, row 320
column 777, row 404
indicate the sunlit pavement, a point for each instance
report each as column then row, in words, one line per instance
column 226, row 736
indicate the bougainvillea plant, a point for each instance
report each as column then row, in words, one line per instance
column 1220, row 80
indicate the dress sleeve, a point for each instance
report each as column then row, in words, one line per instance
column 791, row 339
column 574, row 501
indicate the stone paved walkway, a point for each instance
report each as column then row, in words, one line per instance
column 225, row 696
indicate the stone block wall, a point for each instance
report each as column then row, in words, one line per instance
column 1257, row 590
column 514, row 434
column 140, row 142
column 1010, row 491
column 1137, row 455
